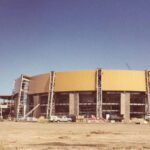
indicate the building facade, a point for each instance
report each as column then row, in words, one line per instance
column 88, row 92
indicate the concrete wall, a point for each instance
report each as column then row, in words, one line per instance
column 36, row 100
column 74, row 104
column 125, row 105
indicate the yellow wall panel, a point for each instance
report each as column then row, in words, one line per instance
column 75, row 81
column 112, row 80
column 123, row 80
column 39, row 84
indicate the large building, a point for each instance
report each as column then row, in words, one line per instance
column 89, row 92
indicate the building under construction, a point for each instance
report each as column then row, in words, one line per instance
column 89, row 92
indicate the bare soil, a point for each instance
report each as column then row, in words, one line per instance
column 73, row 136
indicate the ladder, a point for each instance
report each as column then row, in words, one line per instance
column 50, row 103
column 98, row 93
column 19, row 102
column 22, row 99
column 148, row 91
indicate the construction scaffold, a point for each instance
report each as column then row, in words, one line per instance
column 50, row 103
column 99, row 93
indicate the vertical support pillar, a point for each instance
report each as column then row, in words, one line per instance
column 50, row 101
column 77, row 104
column 125, row 105
column 74, row 104
column 147, row 74
column 99, row 102
column 18, row 110
column 25, row 105
column 15, row 107
column 36, row 100
column 71, row 104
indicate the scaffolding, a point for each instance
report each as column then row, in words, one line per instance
column 99, row 93
column 148, row 91
column 22, row 98
column 50, row 103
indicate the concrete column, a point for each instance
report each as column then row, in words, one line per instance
column 74, row 104
column 71, row 103
column 77, row 104
column 36, row 100
column 125, row 105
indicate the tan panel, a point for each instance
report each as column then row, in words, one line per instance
column 123, row 80
column 75, row 81
column 39, row 84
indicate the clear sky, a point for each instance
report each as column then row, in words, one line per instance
column 37, row 36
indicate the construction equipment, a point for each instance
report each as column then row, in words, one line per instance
column 50, row 103
column 99, row 93
column 59, row 119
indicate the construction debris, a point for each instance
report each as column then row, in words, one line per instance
column 138, row 121
column 42, row 119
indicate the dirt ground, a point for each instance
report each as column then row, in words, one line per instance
column 73, row 136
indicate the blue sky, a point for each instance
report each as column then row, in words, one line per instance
column 37, row 36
